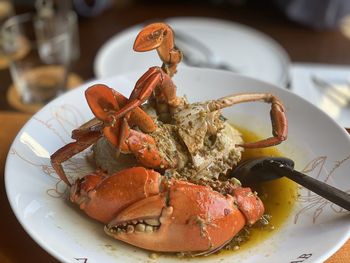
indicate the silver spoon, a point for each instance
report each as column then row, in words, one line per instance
column 270, row 168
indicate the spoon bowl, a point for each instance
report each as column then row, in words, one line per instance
column 255, row 170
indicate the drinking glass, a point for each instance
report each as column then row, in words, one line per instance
column 39, row 52
column 6, row 10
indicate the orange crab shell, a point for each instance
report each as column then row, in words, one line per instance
column 192, row 218
column 102, row 197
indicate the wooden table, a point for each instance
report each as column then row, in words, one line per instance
column 302, row 44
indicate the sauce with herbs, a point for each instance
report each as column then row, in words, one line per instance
column 278, row 196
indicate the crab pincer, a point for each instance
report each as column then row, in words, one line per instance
column 145, row 209
column 160, row 36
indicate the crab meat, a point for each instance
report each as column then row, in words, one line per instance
column 201, row 143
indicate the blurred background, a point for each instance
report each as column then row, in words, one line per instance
column 303, row 45
column 300, row 45
column 309, row 30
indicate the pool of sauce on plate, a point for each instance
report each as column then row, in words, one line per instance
column 278, row 196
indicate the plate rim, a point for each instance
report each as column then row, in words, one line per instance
column 55, row 254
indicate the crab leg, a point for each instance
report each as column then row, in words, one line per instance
column 141, row 145
column 105, row 104
column 144, row 87
column 137, row 117
column 69, row 150
column 160, row 36
column 153, row 80
column 277, row 114
column 144, row 148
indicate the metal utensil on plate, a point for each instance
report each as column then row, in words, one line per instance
column 197, row 54
column 338, row 93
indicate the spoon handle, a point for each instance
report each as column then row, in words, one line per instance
column 331, row 193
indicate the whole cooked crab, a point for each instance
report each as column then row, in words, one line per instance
column 160, row 159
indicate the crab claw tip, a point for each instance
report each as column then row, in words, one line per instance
column 150, row 37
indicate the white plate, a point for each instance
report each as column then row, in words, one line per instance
column 248, row 51
column 333, row 96
column 315, row 229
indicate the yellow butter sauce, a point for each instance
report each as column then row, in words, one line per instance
column 278, row 196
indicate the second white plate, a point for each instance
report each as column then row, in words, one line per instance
column 247, row 50
column 325, row 86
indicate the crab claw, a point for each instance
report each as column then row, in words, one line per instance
column 185, row 217
column 99, row 197
column 159, row 36
column 101, row 101
column 249, row 204
column 152, row 37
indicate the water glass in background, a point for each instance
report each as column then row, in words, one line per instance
column 6, row 10
column 72, row 20
column 40, row 53
column 47, row 9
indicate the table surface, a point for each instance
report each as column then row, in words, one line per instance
column 301, row 43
